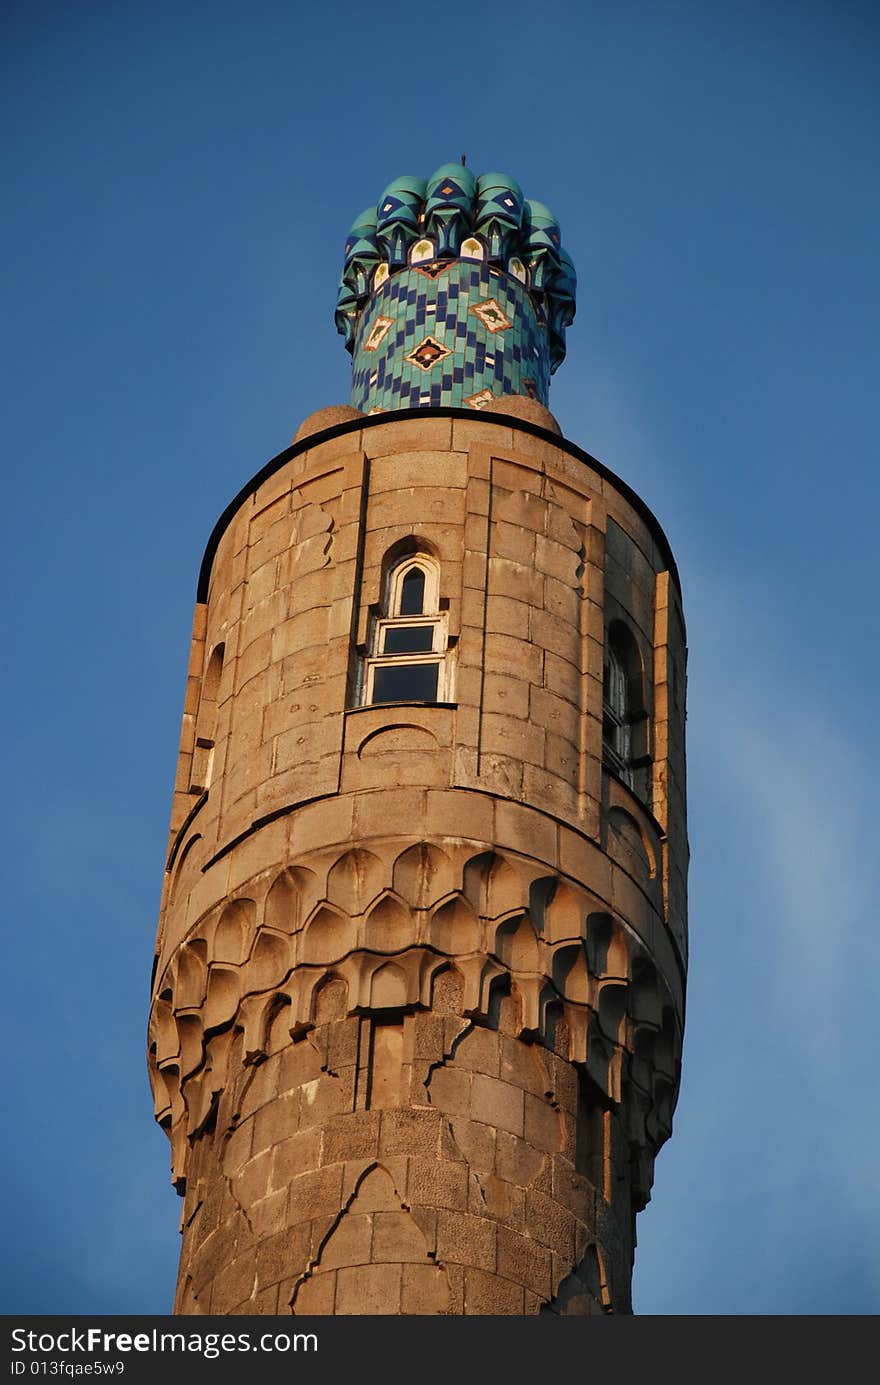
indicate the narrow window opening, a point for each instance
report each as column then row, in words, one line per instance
column 206, row 724
column 624, row 715
column 405, row 683
column 408, row 644
column 412, row 593
column 408, row 639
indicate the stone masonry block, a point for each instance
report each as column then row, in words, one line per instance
column 477, row 495
column 437, row 1183
column 551, row 634
column 321, row 824
column 558, row 561
column 473, row 571
column 419, row 436
column 284, row 1254
column 479, row 435
column 507, row 695
column 368, row 1289
column 517, row 823
column 307, row 743
column 264, row 1303
column 350, row 1136
column 564, row 601
column 543, row 1125
column 450, row 1090
column 276, row 1121
column 424, row 1290
column 314, row 1296
column 524, row 1261
column 522, row 1065
column 410, row 1130
column 488, row 1295
column 388, row 812
column 562, row 758
column 253, row 660
column 478, row 1051
column 459, row 813
column 499, row 1103
column 516, row 580
column 466, row 1240
column 268, row 1214
column 419, row 504
column 315, row 1194
column 556, row 713
column 252, row 1181
column 517, row 1163
column 298, row 1154
column 549, row 1224
column 348, row 1242
column 563, row 679
column 237, row 1148
column 396, row 1237
column 404, row 470
column 263, row 849
column 234, row 1284
column 474, row 1142
column 554, row 794
column 506, row 735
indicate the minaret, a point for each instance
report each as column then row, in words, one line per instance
column 419, row 981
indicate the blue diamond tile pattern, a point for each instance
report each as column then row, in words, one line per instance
column 439, row 338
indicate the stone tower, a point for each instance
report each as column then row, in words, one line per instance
column 419, row 980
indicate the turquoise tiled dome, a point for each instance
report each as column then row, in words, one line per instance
column 455, row 290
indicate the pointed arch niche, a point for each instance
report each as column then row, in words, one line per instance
column 409, row 640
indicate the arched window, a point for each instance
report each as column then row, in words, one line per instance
column 624, row 715
column 407, row 661
column 206, row 723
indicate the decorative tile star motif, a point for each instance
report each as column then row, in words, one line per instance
column 428, row 354
column 491, row 315
column 378, row 332
column 479, row 401
column 433, row 271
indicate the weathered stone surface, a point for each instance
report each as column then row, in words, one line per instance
column 417, row 1009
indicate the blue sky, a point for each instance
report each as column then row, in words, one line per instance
column 179, row 181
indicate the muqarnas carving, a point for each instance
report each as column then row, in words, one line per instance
column 398, row 216
column 361, row 260
column 499, row 216
column 449, row 201
column 384, row 926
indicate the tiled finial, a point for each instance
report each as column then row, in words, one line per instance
column 455, row 290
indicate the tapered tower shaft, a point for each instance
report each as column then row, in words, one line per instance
column 419, row 986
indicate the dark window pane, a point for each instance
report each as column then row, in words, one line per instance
column 412, row 593
column 408, row 639
column 405, row 683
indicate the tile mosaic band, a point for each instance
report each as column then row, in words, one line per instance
column 456, row 290
column 459, row 338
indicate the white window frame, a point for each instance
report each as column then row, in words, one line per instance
column 430, row 615
column 394, row 591
column 616, row 713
